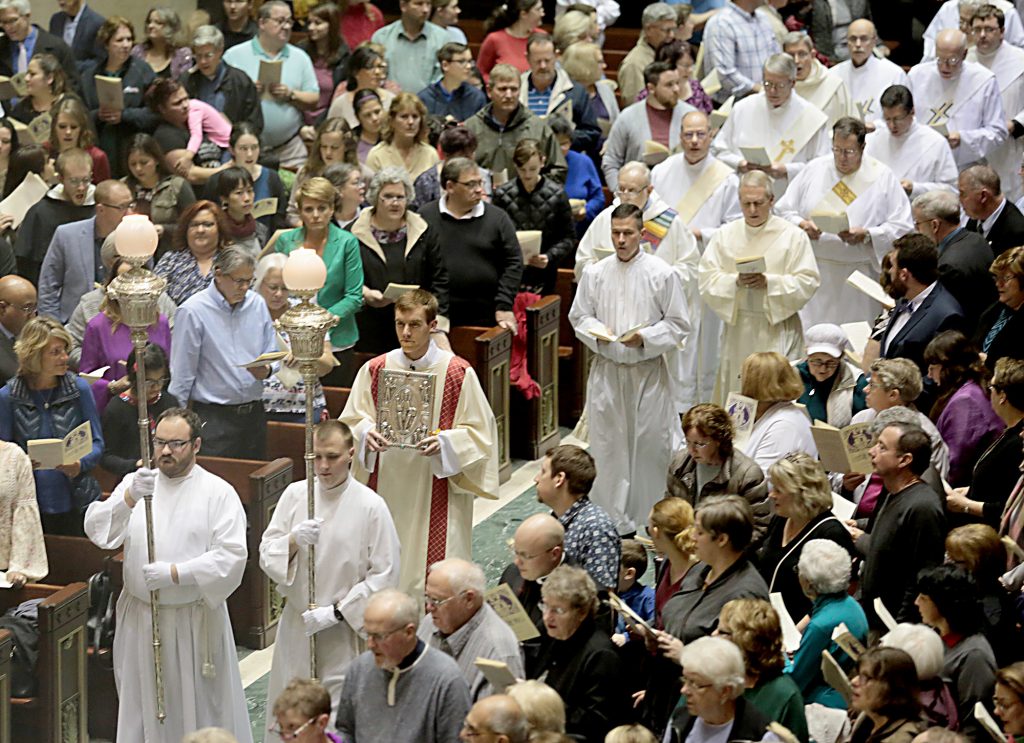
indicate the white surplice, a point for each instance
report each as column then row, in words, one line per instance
column 199, row 525
column 948, row 16
column 785, row 427
column 634, row 424
column 468, row 462
column 867, row 83
column 969, row 105
column 754, row 123
column 356, row 556
column 673, row 179
column 820, row 90
column 1007, row 64
column 921, row 156
column 677, row 248
column 883, row 209
column 757, row 319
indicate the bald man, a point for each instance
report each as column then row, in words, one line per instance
column 954, row 14
column 960, row 99
column 866, row 76
column 497, row 719
column 17, row 307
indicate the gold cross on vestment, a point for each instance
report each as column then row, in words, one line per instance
column 844, row 192
column 786, row 147
column 940, row 113
column 864, row 108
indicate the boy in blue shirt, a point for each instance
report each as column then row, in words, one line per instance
column 639, row 598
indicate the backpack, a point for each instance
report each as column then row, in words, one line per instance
column 26, row 652
column 100, row 624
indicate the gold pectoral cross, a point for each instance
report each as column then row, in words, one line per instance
column 940, row 113
column 864, row 108
column 844, row 192
column 786, row 147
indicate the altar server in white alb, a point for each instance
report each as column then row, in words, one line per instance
column 954, row 14
column 916, row 154
column 758, row 308
column 961, row 96
column 705, row 193
column 199, row 532
column 1006, row 62
column 791, row 130
column 357, row 554
column 877, row 211
column 866, row 76
column 634, row 424
column 429, row 489
column 825, row 92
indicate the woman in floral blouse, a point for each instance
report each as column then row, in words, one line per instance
column 202, row 231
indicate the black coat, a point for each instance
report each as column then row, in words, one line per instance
column 8, row 359
column 995, row 474
column 1006, row 233
column 1008, row 343
column 136, row 117
column 45, row 42
column 36, row 231
column 83, row 45
column 938, row 312
column 241, row 101
column 749, row 723
column 963, row 270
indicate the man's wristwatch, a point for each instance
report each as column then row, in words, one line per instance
column 337, row 613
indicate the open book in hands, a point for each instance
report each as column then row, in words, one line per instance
column 602, row 333
column 52, row 453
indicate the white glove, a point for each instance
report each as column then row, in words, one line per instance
column 157, row 575
column 318, row 619
column 307, row 532
column 143, row 483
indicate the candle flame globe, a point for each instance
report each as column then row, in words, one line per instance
column 304, row 271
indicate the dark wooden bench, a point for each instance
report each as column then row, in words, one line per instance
column 574, row 357
column 535, row 423
column 336, row 399
column 6, row 648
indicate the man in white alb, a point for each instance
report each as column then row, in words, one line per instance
column 1007, row 63
column 954, row 14
column 825, row 92
column 961, row 96
column 865, row 75
column 877, row 211
column 631, row 312
column 759, row 306
column 790, row 130
column 917, row 154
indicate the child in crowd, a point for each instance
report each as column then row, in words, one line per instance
column 639, row 598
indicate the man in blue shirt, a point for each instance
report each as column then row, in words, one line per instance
column 215, row 331
column 412, row 43
column 452, row 95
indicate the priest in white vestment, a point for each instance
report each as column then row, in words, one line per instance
column 430, row 488
column 631, row 312
column 780, row 126
column 962, row 97
column 866, row 76
column 825, row 92
column 357, row 554
column 199, row 535
column 705, row 193
column 954, row 14
column 666, row 236
column 759, row 308
column 917, row 154
column 876, row 209
column 1007, row 63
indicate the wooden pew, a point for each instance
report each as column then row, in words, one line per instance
column 336, row 399
column 574, row 357
column 535, row 423
column 6, row 648
column 58, row 713
column 489, row 352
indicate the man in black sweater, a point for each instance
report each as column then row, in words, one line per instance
column 479, row 245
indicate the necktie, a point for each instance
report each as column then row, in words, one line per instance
column 990, row 336
column 22, row 58
column 903, row 305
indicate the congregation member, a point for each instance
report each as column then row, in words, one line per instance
column 201, row 234
column 737, row 43
column 461, row 624
column 865, row 75
column 367, row 70
column 70, row 127
column 158, row 193
column 988, row 210
column 916, row 153
column 284, row 103
column 507, row 29
column 631, row 313
column 961, row 96
column 954, row 14
column 999, row 330
column 833, row 386
column 22, row 545
column 582, row 182
column 45, row 84
column 331, row 144
column 658, row 24
column 302, row 708
column 1008, row 698
column 538, row 547
column 236, row 193
column 22, row 39
column 759, row 311
column 452, row 95
column 357, row 554
column 76, row 24
column 445, row 13
column 453, row 465
column 360, row 21
column 877, row 212
column 584, row 63
column 216, row 331
column 893, row 711
column 403, row 141
column 18, row 303
column 238, row 25
column 400, row 688
column 199, row 523
column 328, row 52
column 500, row 718
column 454, row 141
column 216, row 83
column 164, row 49
column 411, row 45
column 826, row 92
column 790, row 130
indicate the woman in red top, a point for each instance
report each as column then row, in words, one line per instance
column 70, row 128
column 671, row 528
column 359, row 21
column 509, row 26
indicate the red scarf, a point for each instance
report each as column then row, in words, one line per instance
column 241, row 230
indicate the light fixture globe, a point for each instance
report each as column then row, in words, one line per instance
column 304, row 271
column 136, row 237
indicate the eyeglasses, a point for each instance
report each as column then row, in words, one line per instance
column 240, row 283
column 202, row 225
column 558, row 611
column 438, row 603
column 776, row 86
column 393, row 198
column 951, row 61
column 276, row 730
column 175, row 445
column 381, row 636
column 283, row 22
column 700, row 445
column 10, row 21
column 78, row 182
column 156, row 383
column 275, row 288
column 845, row 152
column 204, row 56
column 119, row 207
column 523, row 556
column 28, row 309
column 694, row 685
column 627, row 192
column 833, row 364
column 471, row 185
column 1004, row 278
column 1004, row 705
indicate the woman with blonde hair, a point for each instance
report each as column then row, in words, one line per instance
column 584, row 63
column 164, row 49
column 630, row 733
column 670, row 527
column 1008, row 699
column 541, row 704
column 404, row 138
column 70, row 128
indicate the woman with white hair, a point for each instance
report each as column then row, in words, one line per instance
column 833, row 387
column 824, row 574
column 714, row 679
column 923, row 644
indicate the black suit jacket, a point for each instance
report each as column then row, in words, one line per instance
column 83, row 45
column 963, row 270
column 1010, row 340
column 938, row 312
column 8, row 361
column 1007, row 232
column 45, row 42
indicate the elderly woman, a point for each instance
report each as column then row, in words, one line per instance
column 538, row 203
column 803, row 511
column 188, row 268
column 22, row 549
column 824, row 574
column 115, row 127
column 541, row 704
column 236, row 194
column 332, row 144
column 833, row 387
column 715, row 709
column 367, row 70
column 950, row 603
column 885, row 696
column 962, row 413
column 284, row 393
column 1001, row 327
column 580, row 661
column 670, row 526
column 45, row 83
column 396, row 246
column 157, row 192
column 754, row 627
column 342, row 294
column 1008, row 700
column 936, row 695
column 404, row 139
column 45, row 401
column 780, row 426
column 70, row 128
column 573, row 27
column 709, row 465
column 164, row 49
